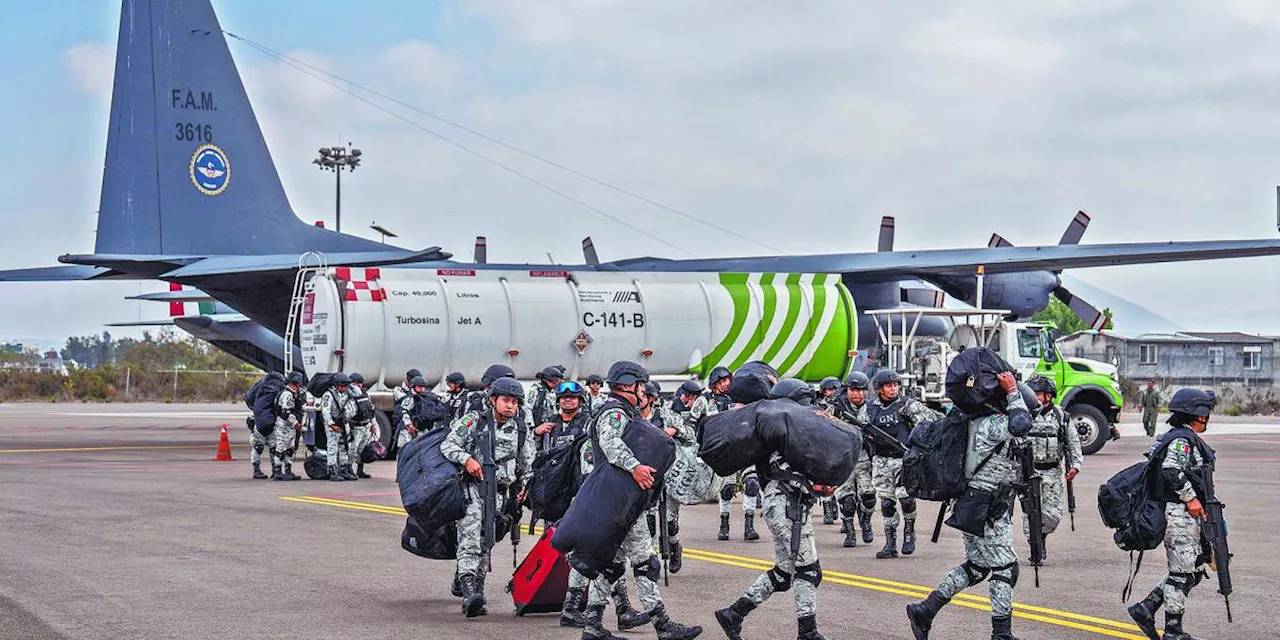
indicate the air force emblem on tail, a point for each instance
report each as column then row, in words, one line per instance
column 210, row 170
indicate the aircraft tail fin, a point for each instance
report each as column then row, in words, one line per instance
column 187, row 170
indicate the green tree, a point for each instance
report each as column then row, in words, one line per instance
column 1059, row 315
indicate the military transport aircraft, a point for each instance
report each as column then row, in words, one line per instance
column 190, row 196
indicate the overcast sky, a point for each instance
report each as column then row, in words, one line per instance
column 798, row 124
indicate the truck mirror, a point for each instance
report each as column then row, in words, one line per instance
column 1051, row 354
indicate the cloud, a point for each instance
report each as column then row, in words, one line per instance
column 91, row 65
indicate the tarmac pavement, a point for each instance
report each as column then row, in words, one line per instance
column 117, row 523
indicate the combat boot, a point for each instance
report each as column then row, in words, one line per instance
column 335, row 475
column 593, row 628
column 724, row 528
column 844, row 524
column 472, row 596
column 669, row 629
column 628, row 617
column 1173, row 627
column 573, row 615
column 360, row 472
column 808, row 628
column 921, row 614
column 827, row 516
column 1144, row 613
column 908, row 537
column 349, row 473
column 864, row 521
column 457, row 587
column 275, row 473
column 677, row 558
column 850, row 534
column 890, row 549
column 257, row 471
column 288, row 473
column 749, row 528
column 731, row 618
column 1002, row 628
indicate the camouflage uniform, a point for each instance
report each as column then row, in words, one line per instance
column 1151, row 402
column 458, row 402
column 287, row 424
column 540, row 400
column 802, row 571
column 361, row 432
column 259, row 443
column 857, row 495
column 595, row 402
column 708, row 405
column 886, row 466
column 336, row 410
column 1053, row 442
column 1182, row 532
column 991, row 438
column 405, row 433
column 458, row 447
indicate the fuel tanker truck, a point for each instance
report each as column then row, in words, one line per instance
column 381, row 322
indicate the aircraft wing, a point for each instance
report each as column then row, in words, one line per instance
column 64, row 273
column 895, row 265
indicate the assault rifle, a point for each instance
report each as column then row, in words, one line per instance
column 514, row 512
column 664, row 536
column 880, row 437
column 1032, row 506
column 1215, row 533
column 1071, row 503
column 489, row 483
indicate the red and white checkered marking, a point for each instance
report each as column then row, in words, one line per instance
column 362, row 284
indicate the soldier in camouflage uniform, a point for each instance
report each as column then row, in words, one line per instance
column 626, row 392
column 1053, row 442
column 828, row 393
column 857, row 496
column 540, row 399
column 1185, row 478
column 991, row 439
column 801, row 571
column 361, row 431
column 513, row 460
column 661, row 415
column 685, row 396
column 456, row 394
column 715, row 400
column 288, row 422
column 895, row 416
column 1151, row 402
column 259, row 443
column 336, row 411
column 595, row 396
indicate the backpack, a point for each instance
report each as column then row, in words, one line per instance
column 428, row 412
column 431, row 487
column 317, row 465
column 320, row 383
column 933, row 468
column 555, row 480
column 971, row 378
column 265, row 406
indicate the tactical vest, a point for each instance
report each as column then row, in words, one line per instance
column 1201, row 477
column 297, row 406
column 564, row 433
column 1048, row 438
column 889, row 420
column 486, row 427
column 613, row 402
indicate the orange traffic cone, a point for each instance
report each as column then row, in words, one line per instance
column 224, row 446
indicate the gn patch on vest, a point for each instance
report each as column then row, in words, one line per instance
column 1180, row 451
column 210, row 170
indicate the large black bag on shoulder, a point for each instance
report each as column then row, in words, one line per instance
column 440, row 543
column 610, row 501
column 818, row 447
column 751, row 382
column 555, row 481
column 933, row 468
column 430, row 485
column 971, row 381
column 728, row 442
column 263, row 403
column 320, row 383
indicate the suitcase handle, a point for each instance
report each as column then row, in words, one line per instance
column 534, row 572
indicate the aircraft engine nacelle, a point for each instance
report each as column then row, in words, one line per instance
column 1024, row 294
column 382, row 322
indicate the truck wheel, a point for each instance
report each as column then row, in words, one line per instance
column 1092, row 426
column 384, row 431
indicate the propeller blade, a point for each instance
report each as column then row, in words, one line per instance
column 923, row 297
column 589, row 251
column 1075, row 230
column 482, row 250
column 886, row 234
column 1085, row 311
column 998, row 240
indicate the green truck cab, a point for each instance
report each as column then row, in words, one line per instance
column 1088, row 390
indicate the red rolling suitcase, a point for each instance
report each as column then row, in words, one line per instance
column 540, row 583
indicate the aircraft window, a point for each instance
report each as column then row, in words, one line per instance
column 1030, row 344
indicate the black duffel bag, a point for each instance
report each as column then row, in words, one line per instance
column 440, row 543
column 555, row 480
column 430, row 485
column 609, row 501
column 752, row 382
column 820, row 448
column 729, row 443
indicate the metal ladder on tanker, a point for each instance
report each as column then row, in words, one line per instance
column 301, row 286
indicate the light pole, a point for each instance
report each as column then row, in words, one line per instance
column 336, row 159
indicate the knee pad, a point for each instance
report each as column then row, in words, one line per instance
column 975, row 573
column 1007, row 574
column 888, row 508
column 849, row 506
column 751, row 486
column 673, row 528
column 726, row 492
column 1183, row 582
column 868, row 501
column 613, row 571
column 781, row 579
column 650, row 569
column 908, row 505
column 811, row 573
column 259, row 448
